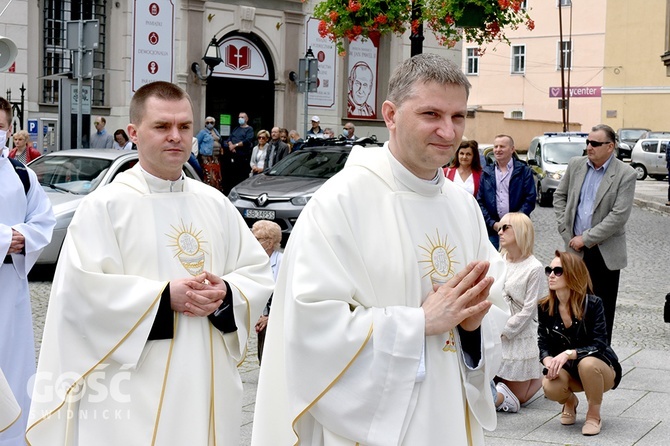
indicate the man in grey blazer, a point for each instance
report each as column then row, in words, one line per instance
column 592, row 205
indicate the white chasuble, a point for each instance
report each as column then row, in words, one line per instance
column 99, row 381
column 346, row 360
column 32, row 216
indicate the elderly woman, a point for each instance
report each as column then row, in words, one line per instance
column 572, row 337
column 209, row 148
column 257, row 162
column 268, row 233
column 466, row 168
column 121, row 141
column 22, row 151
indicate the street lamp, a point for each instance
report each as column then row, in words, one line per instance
column 307, row 79
column 212, row 58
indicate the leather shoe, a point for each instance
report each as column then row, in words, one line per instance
column 569, row 418
column 592, row 427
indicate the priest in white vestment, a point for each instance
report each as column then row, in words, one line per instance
column 353, row 353
column 26, row 225
column 152, row 302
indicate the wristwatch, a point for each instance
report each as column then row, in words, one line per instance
column 569, row 353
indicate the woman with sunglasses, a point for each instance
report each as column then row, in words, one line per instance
column 519, row 376
column 572, row 338
column 257, row 162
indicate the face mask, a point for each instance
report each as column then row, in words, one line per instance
column 292, row 141
column 209, row 126
column 3, row 138
column 345, row 134
column 241, row 121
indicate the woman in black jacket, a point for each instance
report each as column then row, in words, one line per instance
column 573, row 342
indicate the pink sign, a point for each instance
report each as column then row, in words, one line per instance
column 576, row 92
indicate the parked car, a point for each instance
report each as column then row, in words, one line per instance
column 654, row 134
column 548, row 157
column 627, row 138
column 69, row 175
column 280, row 193
column 648, row 158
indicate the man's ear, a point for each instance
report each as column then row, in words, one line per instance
column 131, row 130
column 389, row 112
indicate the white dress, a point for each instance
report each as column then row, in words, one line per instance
column 524, row 285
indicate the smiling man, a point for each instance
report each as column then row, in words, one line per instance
column 150, row 308
column 396, row 344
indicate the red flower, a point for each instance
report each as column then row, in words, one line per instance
column 357, row 30
column 323, row 29
column 449, row 20
column 530, row 24
column 381, row 19
column 415, row 26
column 493, row 28
column 333, row 16
column 354, row 6
column 516, row 5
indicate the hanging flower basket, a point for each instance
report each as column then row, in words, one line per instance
column 481, row 21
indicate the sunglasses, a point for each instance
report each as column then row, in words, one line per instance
column 505, row 227
column 596, row 143
column 558, row 271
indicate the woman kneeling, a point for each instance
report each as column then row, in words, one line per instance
column 572, row 338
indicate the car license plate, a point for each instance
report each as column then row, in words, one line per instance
column 260, row 215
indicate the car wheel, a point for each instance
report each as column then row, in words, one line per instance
column 641, row 171
column 658, row 177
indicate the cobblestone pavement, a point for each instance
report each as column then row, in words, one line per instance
column 639, row 317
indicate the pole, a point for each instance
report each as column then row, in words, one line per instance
column 80, row 68
column 417, row 38
column 562, row 61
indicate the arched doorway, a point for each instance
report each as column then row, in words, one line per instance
column 243, row 82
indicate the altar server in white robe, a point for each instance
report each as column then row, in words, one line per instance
column 26, row 225
column 381, row 332
column 152, row 302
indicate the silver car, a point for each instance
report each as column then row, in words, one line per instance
column 648, row 158
column 68, row 175
column 280, row 193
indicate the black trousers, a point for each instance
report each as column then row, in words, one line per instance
column 605, row 284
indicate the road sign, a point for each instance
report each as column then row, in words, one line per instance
column 86, row 99
column 32, row 127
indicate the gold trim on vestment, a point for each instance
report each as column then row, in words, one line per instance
column 337, row 378
column 134, row 327
column 212, row 407
column 165, row 377
column 15, row 420
column 248, row 321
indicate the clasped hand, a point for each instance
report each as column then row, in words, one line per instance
column 17, row 244
column 197, row 296
column 555, row 364
column 460, row 301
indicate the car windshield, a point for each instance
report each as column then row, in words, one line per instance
column 561, row 152
column 77, row 175
column 631, row 134
column 658, row 134
column 310, row 164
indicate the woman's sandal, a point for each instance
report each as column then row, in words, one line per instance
column 567, row 418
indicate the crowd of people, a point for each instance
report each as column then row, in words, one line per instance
column 453, row 322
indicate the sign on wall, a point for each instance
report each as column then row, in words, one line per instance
column 242, row 59
column 362, row 79
column 153, row 37
column 576, row 92
column 325, row 52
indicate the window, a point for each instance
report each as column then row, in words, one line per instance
column 649, row 146
column 517, row 114
column 518, row 59
column 564, row 49
column 524, row 5
column 472, row 61
column 57, row 58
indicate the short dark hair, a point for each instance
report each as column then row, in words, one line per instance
column 122, row 133
column 165, row 91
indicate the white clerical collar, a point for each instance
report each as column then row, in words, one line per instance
column 159, row 185
column 406, row 180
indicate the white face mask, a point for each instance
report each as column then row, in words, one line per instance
column 3, row 138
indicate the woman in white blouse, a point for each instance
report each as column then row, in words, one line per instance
column 520, row 374
column 258, row 154
column 466, row 168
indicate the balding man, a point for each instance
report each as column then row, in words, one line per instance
column 100, row 139
column 278, row 149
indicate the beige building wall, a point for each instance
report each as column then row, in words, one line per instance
column 637, row 92
column 495, row 88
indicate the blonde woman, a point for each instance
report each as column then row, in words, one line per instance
column 22, row 151
column 259, row 153
column 519, row 376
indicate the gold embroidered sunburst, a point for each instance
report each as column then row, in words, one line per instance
column 439, row 261
column 188, row 246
